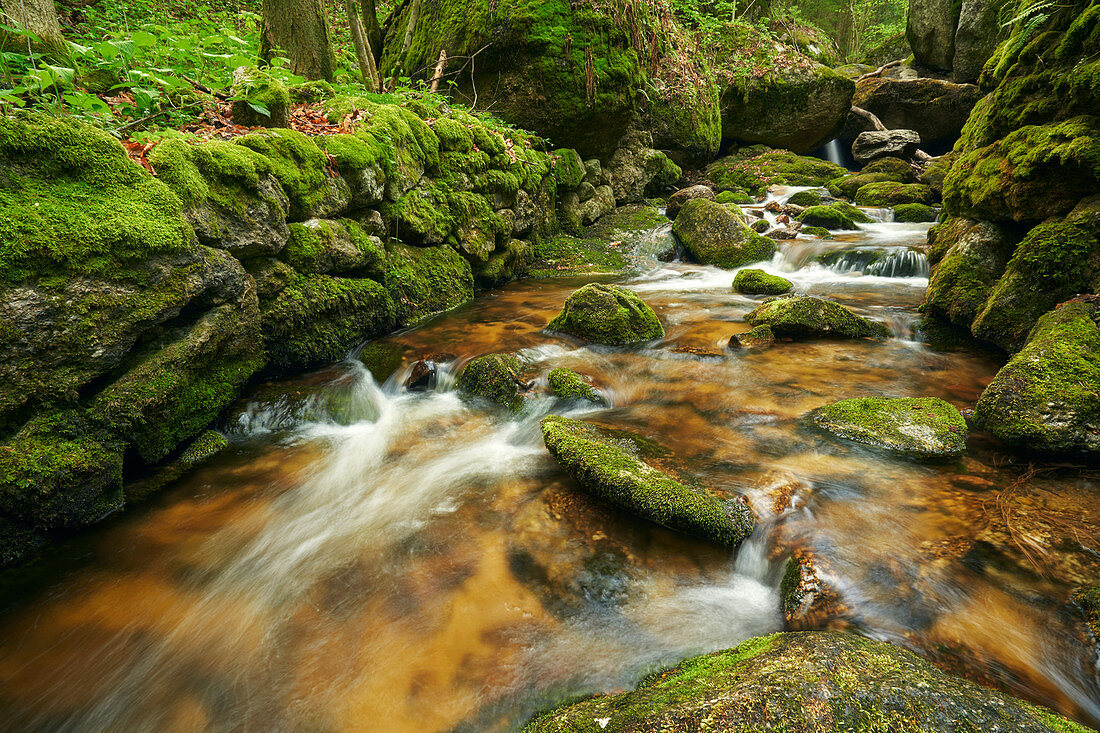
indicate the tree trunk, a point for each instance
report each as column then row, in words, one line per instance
column 362, row 48
column 299, row 29
column 372, row 28
column 40, row 18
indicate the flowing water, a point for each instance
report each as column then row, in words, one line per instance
column 372, row 559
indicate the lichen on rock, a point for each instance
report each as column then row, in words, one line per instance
column 920, row 426
column 607, row 314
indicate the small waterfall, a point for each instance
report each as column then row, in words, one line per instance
column 834, row 153
column 901, row 263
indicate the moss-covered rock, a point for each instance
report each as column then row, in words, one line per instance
column 734, row 197
column 967, row 259
column 1044, row 398
column 426, row 280
column 797, row 108
column 677, row 200
column 259, row 99
column 901, row 170
column 816, row 232
column 615, row 466
column 608, row 314
column 755, row 168
column 914, row 213
column 321, row 246
column 835, row 216
column 755, row 338
column 714, row 234
column 497, row 378
column 758, row 282
column 318, row 319
column 805, row 316
column 302, row 170
column 803, row 682
column 848, row 185
column 805, row 198
column 890, row 193
column 921, row 426
column 568, row 385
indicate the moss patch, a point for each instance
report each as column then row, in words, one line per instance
column 758, row 282
column 569, row 385
column 804, row 316
column 915, row 213
column 758, row 167
column 496, row 377
column 607, row 314
column 923, row 426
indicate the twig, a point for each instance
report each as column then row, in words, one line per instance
column 440, row 66
column 879, row 70
column 135, row 123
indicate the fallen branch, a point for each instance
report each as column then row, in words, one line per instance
column 879, row 70
column 136, row 123
column 440, row 66
column 876, row 123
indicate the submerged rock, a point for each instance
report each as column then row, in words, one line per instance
column 807, row 598
column 924, row 426
column 496, row 377
column 1045, row 398
column 803, row 682
column 890, row 193
column 753, row 339
column 805, row 316
column 715, row 234
column 677, row 200
column 612, row 465
column 569, row 385
column 607, row 314
column 880, row 143
column 758, row 282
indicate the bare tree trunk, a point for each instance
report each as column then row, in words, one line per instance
column 440, row 67
column 362, row 48
column 372, row 28
column 40, row 18
column 414, row 17
column 298, row 28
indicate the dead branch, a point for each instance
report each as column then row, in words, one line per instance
column 876, row 123
column 440, row 66
column 879, row 70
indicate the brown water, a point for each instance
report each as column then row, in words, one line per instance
column 369, row 559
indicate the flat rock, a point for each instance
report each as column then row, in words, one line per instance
column 924, row 426
column 805, row 316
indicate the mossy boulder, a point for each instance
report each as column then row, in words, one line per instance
column 813, row 231
column 607, row 314
column 755, row 168
column 734, row 197
column 714, row 234
column 755, row 338
column 302, row 170
column 805, row 198
column 1032, row 174
column 901, row 170
column 802, row 682
column 1044, row 399
column 677, row 200
column 967, row 259
column 920, row 426
column 758, row 282
column 259, row 99
column 807, row 317
column 890, row 193
column 425, row 280
column 322, row 246
column 833, row 216
column 797, row 108
column 568, row 385
column 616, row 466
column 848, row 185
column 914, row 213
column 497, row 378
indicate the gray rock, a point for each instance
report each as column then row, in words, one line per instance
column 931, row 32
column 256, row 229
column 878, row 144
column 978, row 33
column 681, row 197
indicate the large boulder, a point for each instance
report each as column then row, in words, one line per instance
column 920, row 426
column 677, row 200
column 881, row 143
column 755, row 168
column 805, row 316
column 803, row 682
column 936, row 110
column 1044, row 399
column 607, row 314
column 976, row 37
column 616, row 466
column 716, row 234
column 931, row 32
column 795, row 108
column 892, row 193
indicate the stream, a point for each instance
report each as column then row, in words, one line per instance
column 366, row 558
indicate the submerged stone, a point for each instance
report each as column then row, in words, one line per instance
column 805, row 316
column 717, row 235
column 496, row 377
column 756, row 338
column 807, row 598
column 612, row 466
column 1045, row 398
column 758, row 282
column 914, row 213
column 569, row 385
column 803, row 682
column 607, row 314
column 924, row 426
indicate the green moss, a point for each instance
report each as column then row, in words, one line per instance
column 298, row 164
column 436, row 213
column 426, row 280
column 318, row 319
column 754, row 338
column 312, row 92
column 666, row 175
column 805, row 198
column 758, row 167
column 260, row 99
column 496, row 377
column 510, row 263
column 610, row 465
column 896, row 168
column 607, row 314
column 321, row 245
column 569, row 385
column 829, row 217
column 758, row 282
column 453, row 136
column 816, row 232
column 568, row 168
column 382, row 359
column 72, row 202
column 924, row 426
column 892, row 193
column 1088, row 600
column 715, row 234
column 914, row 213
column 804, row 316
column 1044, row 398
column 568, row 256
column 734, row 197
column 967, row 258
column 848, row 185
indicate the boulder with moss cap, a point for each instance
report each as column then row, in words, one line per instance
column 496, row 377
column 803, row 682
column 807, row 317
column 758, row 282
column 922, row 426
column 714, row 234
column 568, row 385
column 608, row 314
column 617, row 466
